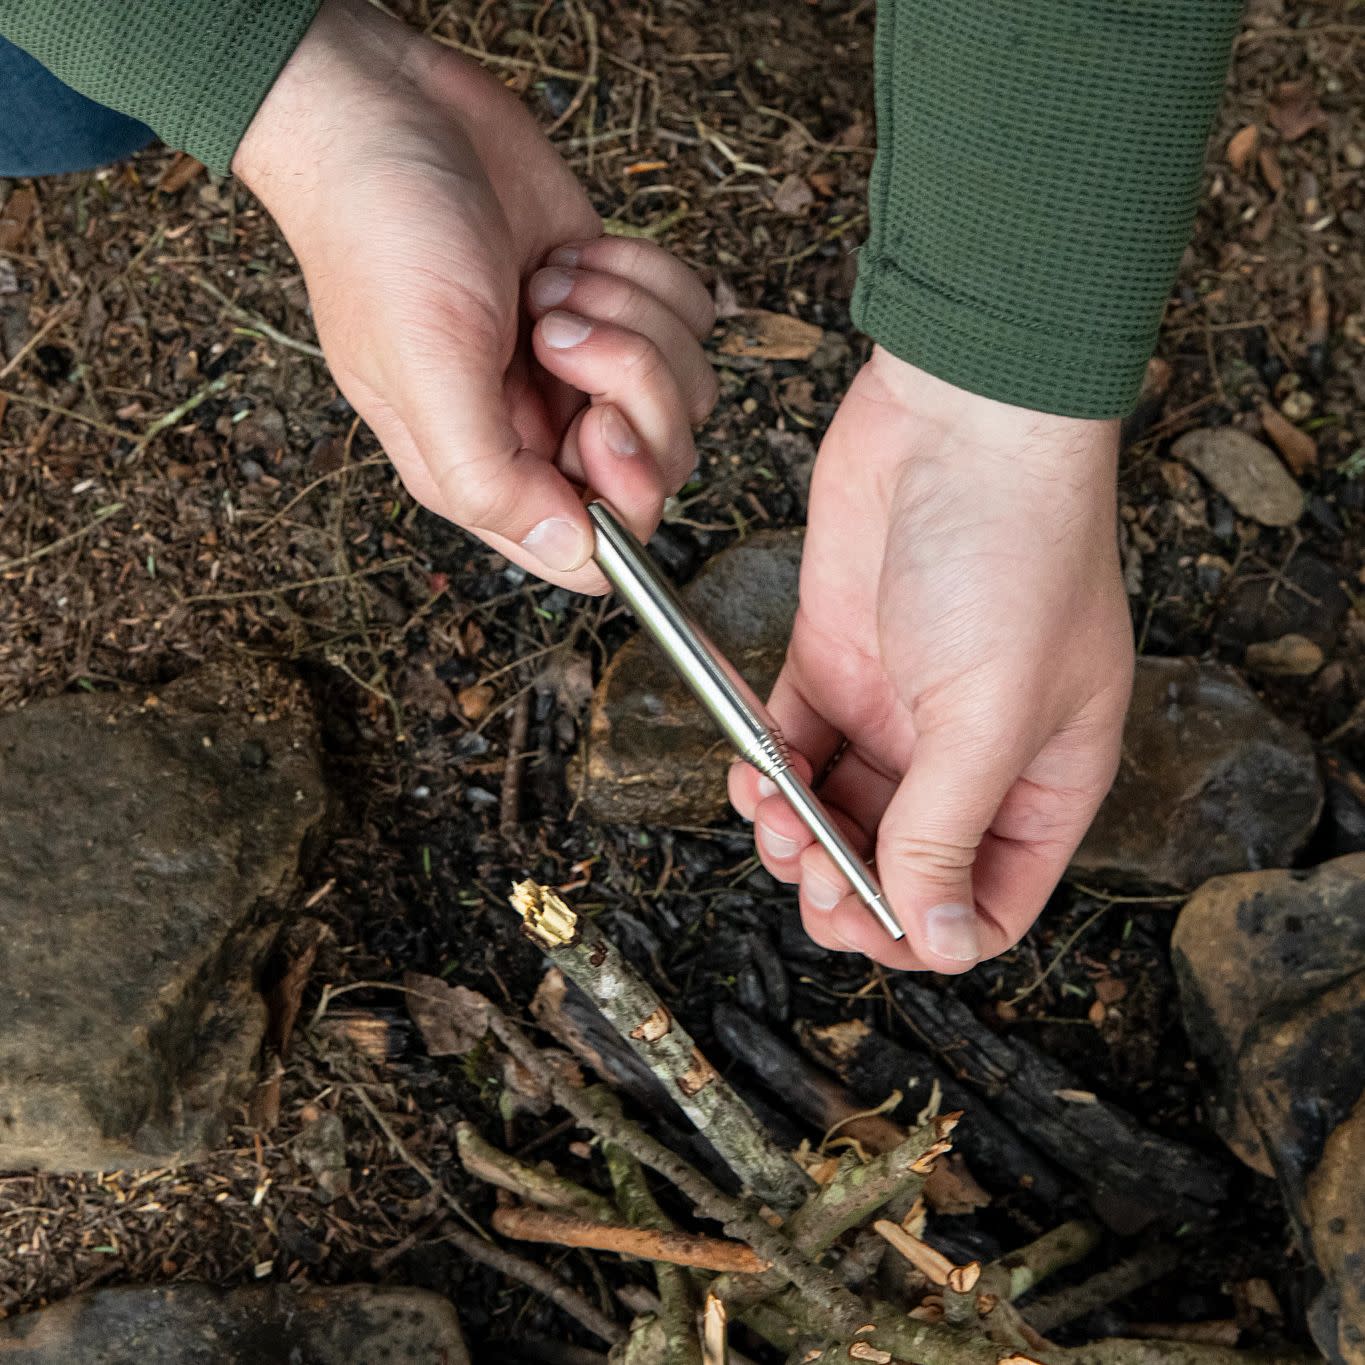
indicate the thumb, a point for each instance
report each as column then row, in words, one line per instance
column 492, row 484
column 927, row 847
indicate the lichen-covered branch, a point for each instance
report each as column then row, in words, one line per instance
column 1149, row 1264
column 580, row 949
column 530, row 1183
column 1018, row 1272
column 843, row 1310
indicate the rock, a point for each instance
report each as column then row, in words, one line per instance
column 259, row 1325
column 1343, row 825
column 145, row 844
column 1245, row 472
column 1271, row 967
column 1306, row 598
column 1291, row 656
column 652, row 755
column 1210, row 781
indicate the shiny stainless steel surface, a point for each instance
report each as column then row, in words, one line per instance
column 743, row 719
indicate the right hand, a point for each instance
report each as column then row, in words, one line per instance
column 499, row 346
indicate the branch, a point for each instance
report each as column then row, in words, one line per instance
column 1016, row 1273
column 1147, row 1265
column 576, row 945
column 530, row 1183
column 526, row 1224
column 841, row 1308
column 537, row 1278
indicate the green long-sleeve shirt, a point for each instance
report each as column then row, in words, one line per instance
column 1037, row 171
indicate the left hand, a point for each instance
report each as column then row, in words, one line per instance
column 962, row 656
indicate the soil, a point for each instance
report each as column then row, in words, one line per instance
column 179, row 479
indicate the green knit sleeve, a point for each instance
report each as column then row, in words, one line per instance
column 193, row 70
column 1038, row 168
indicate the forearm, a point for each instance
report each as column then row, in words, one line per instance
column 1038, row 169
column 194, row 72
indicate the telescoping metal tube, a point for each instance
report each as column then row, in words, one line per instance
column 743, row 719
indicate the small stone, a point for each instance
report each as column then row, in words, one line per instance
column 1291, row 656
column 1245, row 472
column 1298, row 405
column 1210, row 781
column 1354, row 155
column 652, row 755
column 259, row 1325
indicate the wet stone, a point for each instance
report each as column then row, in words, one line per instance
column 147, row 847
column 652, row 755
column 1271, row 967
column 1210, row 781
column 274, row 1325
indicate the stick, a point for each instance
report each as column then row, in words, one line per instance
column 714, row 1342
column 526, row 1224
column 1015, row 1274
column 537, row 1278
column 484, row 1161
column 579, row 947
column 510, row 809
column 52, row 547
column 1152, row 1263
column 821, row 1289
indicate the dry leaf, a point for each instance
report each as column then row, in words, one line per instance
column 951, row 1188
column 1242, row 147
column 1109, row 990
column 179, row 173
column 16, row 216
column 299, row 950
column 568, row 677
column 474, row 701
column 1299, row 449
column 793, row 196
column 1271, row 171
column 451, row 1019
column 1294, row 111
column 1319, row 308
column 761, row 335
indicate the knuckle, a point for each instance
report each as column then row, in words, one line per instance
column 939, row 858
column 641, row 360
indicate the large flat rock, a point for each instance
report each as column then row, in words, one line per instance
column 1211, row 781
column 260, row 1325
column 146, row 844
column 652, row 755
column 1271, row 968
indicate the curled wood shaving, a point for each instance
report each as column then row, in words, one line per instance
column 545, row 918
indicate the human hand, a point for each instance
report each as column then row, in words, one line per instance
column 962, row 655
column 422, row 201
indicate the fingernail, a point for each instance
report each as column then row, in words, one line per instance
column 776, row 845
column 557, row 543
column 950, row 931
column 822, row 894
column 562, row 330
column 617, row 434
column 766, row 787
column 549, row 287
column 564, row 255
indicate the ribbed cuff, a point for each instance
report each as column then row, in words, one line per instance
column 241, row 52
column 1072, row 375
column 1038, row 169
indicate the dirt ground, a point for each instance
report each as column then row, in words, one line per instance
column 179, row 479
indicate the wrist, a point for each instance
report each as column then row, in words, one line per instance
column 351, row 56
column 973, row 421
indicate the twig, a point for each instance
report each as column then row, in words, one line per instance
column 538, row 1278
column 320, row 582
column 56, row 316
column 930, row 1262
column 254, row 320
column 52, row 547
column 637, row 1203
column 1060, row 956
column 401, row 1152
column 304, row 492
column 576, row 945
column 1020, row 1271
column 842, row 1310
column 526, row 1224
column 536, row 1186
column 92, row 422
column 182, row 410
column 510, row 809
column 1147, row 1265
column 714, row 1338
